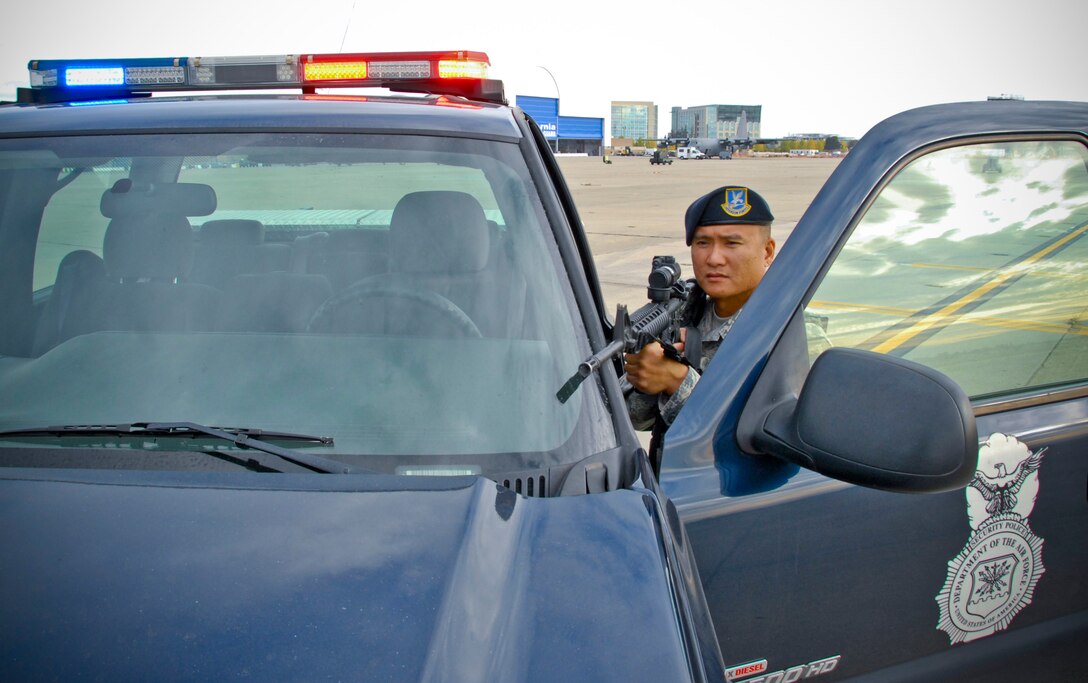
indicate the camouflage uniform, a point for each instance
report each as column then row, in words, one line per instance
column 646, row 409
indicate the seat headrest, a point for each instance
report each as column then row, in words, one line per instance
column 232, row 232
column 439, row 232
column 173, row 199
column 159, row 248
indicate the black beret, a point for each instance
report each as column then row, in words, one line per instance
column 726, row 205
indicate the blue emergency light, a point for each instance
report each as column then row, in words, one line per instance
column 77, row 77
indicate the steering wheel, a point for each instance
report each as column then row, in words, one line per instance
column 360, row 308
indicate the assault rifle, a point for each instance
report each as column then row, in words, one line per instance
column 655, row 321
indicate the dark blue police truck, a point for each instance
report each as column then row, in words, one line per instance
column 278, row 397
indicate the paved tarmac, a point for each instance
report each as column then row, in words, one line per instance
column 634, row 210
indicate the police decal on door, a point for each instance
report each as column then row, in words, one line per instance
column 994, row 576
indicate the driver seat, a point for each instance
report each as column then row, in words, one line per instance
column 440, row 242
column 438, row 284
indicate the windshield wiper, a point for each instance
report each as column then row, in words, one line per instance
column 241, row 437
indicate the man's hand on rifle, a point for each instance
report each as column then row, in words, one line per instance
column 651, row 371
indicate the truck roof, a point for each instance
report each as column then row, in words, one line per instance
column 440, row 115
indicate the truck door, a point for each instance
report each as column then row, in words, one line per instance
column 968, row 257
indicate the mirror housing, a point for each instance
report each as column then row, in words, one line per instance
column 877, row 421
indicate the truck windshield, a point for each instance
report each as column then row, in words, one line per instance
column 401, row 294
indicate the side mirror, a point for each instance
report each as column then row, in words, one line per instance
column 877, row 421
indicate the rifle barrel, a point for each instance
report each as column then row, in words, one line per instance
column 586, row 367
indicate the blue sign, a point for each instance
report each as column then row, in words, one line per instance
column 581, row 128
column 543, row 110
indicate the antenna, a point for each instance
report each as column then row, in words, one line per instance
column 345, row 38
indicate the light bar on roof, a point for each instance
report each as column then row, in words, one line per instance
column 460, row 72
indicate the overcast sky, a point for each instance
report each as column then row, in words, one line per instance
column 816, row 66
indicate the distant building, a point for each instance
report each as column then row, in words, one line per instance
column 635, row 120
column 721, row 121
column 565, row 134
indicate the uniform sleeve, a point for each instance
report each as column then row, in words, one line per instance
column 643, row 410
column 669, row 406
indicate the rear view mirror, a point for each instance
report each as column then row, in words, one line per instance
column 877, row 421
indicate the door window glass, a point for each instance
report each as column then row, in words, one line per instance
column 972, row 260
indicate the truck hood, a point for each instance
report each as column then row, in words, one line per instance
column 144, row 576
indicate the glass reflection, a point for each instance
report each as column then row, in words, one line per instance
column 972, row 260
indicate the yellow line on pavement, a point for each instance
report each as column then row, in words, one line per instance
column 1051, row 273
column 948, row 312
column 1066, row 326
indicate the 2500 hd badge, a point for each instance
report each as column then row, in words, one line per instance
column 278, row 397
column 791, row 675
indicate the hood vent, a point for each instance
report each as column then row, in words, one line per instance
column 531, row 484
